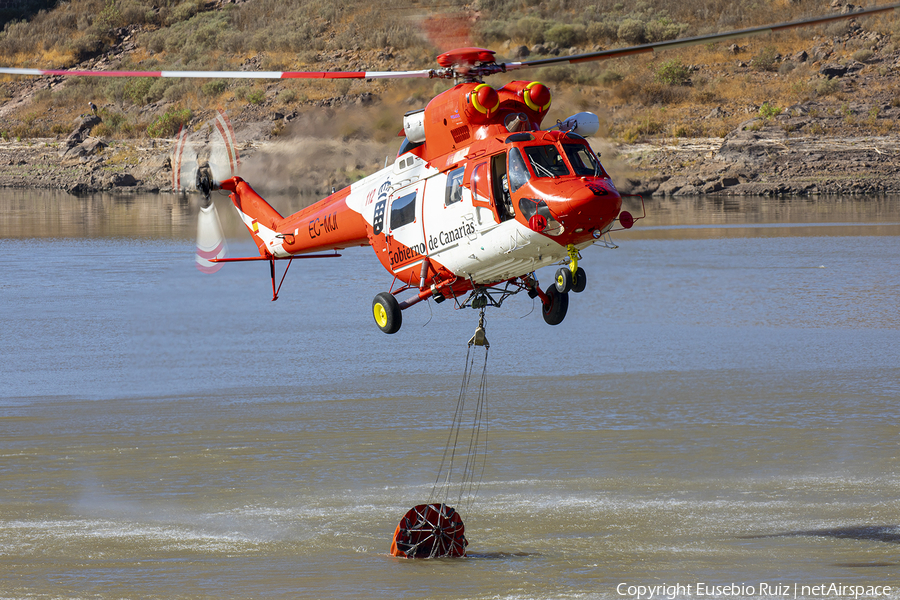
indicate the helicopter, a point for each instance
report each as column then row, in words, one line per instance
column 478, row 199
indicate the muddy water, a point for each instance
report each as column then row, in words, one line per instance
column 719, row 407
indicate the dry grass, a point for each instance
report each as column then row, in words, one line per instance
column 321, row 35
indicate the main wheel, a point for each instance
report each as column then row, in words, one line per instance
column 557, row 305
column 563, row 280
column 386, row 311
column 580, row 281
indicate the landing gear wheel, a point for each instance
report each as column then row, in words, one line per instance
column 386, row 311
column 563, row 280
column 580, row 281
column 557, row 305
column 430, row 531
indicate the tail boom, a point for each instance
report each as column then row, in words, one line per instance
column 326, row 225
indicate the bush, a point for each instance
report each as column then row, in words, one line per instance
column 609, row 77
column 528, row 29
column 663, row 29
column 256, row 96
column 631, row 31
column 214, row 87
column 183, row 12
column 766, row 60
column 786, row 67
column 864, row 55
column 178, row 90
column 136, row 89
column 828, row 86
column 600, row 31
column 673, row 72
column 565, row 36
column 169, row 123
column 769, row 111
column 287, row 96
column 646, row 90
column 488, row 31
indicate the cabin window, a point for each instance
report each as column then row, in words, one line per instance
column 454, row 186
column 546, row 161
column 403, row 210
column 583, row 161
column 518, row 172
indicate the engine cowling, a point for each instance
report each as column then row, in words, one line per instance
column 584, row 124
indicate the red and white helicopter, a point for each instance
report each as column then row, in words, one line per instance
column 478, row 199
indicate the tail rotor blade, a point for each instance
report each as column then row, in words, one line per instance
column 210, row 240
column 223, row 159
column 184, row 163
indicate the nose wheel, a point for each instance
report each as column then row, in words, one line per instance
column 566, row 281
column 571, row 278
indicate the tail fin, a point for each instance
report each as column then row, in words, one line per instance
column 260, row 218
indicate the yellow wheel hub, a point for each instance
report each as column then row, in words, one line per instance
column 380, row 315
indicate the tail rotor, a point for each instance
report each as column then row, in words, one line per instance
column 194, row 171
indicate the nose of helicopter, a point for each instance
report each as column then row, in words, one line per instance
column 580, row 206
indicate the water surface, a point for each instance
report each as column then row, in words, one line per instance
column 720, row 406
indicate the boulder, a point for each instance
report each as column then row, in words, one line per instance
column 833, row 70
column 83, row 128
column 123, row 180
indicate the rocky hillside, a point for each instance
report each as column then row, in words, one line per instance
column 810, row 112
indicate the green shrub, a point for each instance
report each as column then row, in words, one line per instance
column 287, row 96
column 864, row 55
column 769, row 111
column 828, row 86
column 214, row 87
column 178, row 90
column 766, row 60
column 631, row 31
column 169, row 123
column 490, row 31
column 663, row 29
column 183, row 12
column 256, row 96
column 598, row 31
column 609, row 77
column 565, row 35
column 673, row 72
column 528, row 29
column 136, row 89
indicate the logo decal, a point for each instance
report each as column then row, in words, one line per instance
column 378, row 217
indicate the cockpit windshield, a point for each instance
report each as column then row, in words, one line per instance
column 546, row 161
column 583, row 161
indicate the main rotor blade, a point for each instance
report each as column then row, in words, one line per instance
column 425, row 73
column 703, row 39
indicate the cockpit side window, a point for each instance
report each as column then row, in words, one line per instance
column 583, row 161
column 546, row 161
column 518, row 172
column 454, row 186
